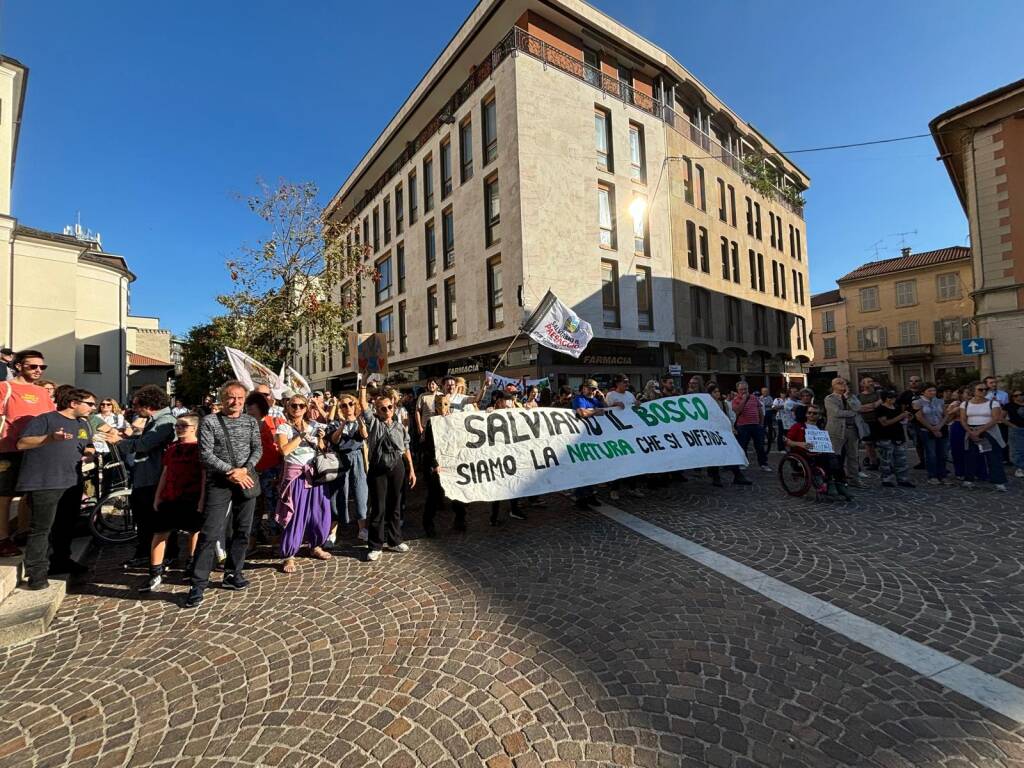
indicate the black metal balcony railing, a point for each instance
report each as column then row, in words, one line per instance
column 910, row 352
column 520, row 41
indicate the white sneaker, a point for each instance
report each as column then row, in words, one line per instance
column 967, row 484
column 364, row 534
column 934, row 481
column 865, row 475
column 1000, row 487
column 766, row 468
column 373, row 554
column 1019, row 473
column 614, row 495
column 403, row 547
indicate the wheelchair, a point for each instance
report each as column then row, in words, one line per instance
column 798, row 475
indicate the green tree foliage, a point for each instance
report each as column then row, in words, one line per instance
column 290, row 279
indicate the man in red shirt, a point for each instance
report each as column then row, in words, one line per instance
column 21, row 399
column 750, row 422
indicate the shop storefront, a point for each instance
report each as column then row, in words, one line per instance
column 601, row 361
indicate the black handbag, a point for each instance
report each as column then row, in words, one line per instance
column 247, row 493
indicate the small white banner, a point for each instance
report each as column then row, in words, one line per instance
column 252, row 372
column 557, row 327
column 522, row 384
column 514, row 452
column 819, row 440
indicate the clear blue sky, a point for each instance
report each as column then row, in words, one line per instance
column 149, row 118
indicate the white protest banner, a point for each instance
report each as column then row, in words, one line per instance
column 252, row 372
column 819, row 440
column 557, row 327
column 515, row 452
column 294, row 381
column 503, row 381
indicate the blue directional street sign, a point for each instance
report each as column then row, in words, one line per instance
column 973, row 346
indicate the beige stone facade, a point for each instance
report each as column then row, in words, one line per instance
column 591, row 128
column 897, row 318
column 982, row 145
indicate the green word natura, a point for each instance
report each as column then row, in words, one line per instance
column 668, row 411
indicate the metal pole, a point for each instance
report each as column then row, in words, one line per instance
column 501, row 360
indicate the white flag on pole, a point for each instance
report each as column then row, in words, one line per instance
column 293, row 380
column 252, row 372
column 557, row 327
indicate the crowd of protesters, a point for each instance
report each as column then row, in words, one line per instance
column 243, row 470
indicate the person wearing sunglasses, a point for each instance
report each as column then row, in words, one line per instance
column 980, row 417
column 389, row 467
column 1015, row 417
column 349, row 440
column 54, row 444
column 303, row 511
column 21, row 400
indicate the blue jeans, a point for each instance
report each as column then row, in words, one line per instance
column 755, row 431
column 351, row 480
column 993, row 458
column 1017, row 446
column 936, row 449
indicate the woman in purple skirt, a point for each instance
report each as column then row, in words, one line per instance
column 303, row 511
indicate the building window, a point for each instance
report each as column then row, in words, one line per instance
column 723, row 203
column 489, row 113
column 641, row 239
column 725, row 258
column 750, row 216
column 700, row 311
column 399, row 210
column 775, row 278
column 760, row 272
column 949, row 331
column 829, row 347
column 691, row 244
column 610, row 294
column 910, row 332
column 446, row 168
column 735, row 263
column 428, row 184
column 412, row 198
column 801, row 333
column 400, row 266
column 385, row 326
column 760, row 325
column 781, row 329
column 757, row 221
column 403, row 338
column 495, row 295
column 688, row 180
column 734, row 319
column 870, row 338
column 637, row 154
column 432, row 328
column 606, row 214
column 603, row 138
column 448, row 238
column 752, row 258
column 702, row 195
column 430, row 247
column 792, row 241
column 91, row 358
column 732, row 205
column 796, row 288
column 492, row 211
column 591, row 67
column 828, row 321
column 376, row 230
column 947, row 286
column 800, row 280
column 366, row 230
column 451, row 319
column 869, row 298
column 644, row 299
column 771, row 223
column 906, row 293
column 705, row 258
column 466, row 151
column 799, row 247
column 384, row 279
column 782, row 279
column 387, row 220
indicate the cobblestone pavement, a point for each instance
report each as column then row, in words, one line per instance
column 941, row 565
column 566, row 640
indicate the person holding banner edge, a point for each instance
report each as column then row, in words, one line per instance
column 589, row 402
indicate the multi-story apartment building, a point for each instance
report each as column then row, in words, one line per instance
column 982, row 144
column 897, row 318
column 549, row 147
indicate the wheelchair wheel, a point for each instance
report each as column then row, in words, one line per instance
column 795, row 475
column 111, row 521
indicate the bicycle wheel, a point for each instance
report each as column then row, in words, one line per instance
column 795, row 475
column 111, row 521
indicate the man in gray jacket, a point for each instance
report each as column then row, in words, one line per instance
column 147, row 449
column 229, row 449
